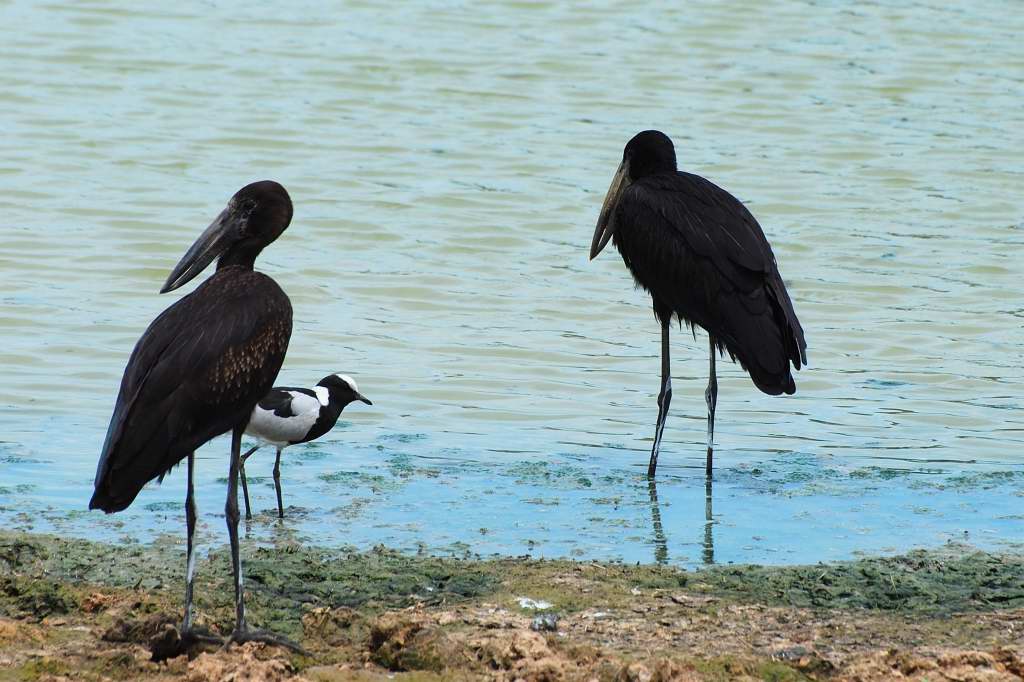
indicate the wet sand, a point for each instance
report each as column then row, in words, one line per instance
column 75, row 610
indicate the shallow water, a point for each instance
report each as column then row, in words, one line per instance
column 447, row 163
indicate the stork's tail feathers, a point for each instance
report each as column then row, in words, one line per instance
column 102, row 499
column 768, row 345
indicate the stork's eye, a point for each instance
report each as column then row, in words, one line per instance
column 245, row 209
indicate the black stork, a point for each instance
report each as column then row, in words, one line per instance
column 703, row 258
column 198, row 371
column 288, row 416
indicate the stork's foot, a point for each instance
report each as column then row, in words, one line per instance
column 252, row 635
column 171, row 642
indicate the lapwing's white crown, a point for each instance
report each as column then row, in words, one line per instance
column 348, row 380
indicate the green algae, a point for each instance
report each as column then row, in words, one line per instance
column 954, row 579
column 425, row 617
column 34, row 598
column 281, row 583
column 986, row 480
column 40, row 576
column 41, row 668
column 801, row 476
column 557, row 476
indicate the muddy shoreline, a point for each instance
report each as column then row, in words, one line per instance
column 75, row 610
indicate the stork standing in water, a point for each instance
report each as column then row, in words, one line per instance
column 287, row 416
column 198, row 371
column 704, row 259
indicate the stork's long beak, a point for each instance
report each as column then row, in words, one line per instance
column 606, row 221
column 215, row 240
column 360, row 396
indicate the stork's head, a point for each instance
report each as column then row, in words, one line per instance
column 255, row 216
column 647, row 153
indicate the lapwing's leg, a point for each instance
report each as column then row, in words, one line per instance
column 245, row 485
column 664, row 398
column 242, row 633
column 277, row 484
column 711, row 398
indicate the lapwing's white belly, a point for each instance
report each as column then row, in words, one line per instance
column 279, row 431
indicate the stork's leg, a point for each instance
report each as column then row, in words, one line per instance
column 231, row 515
column 242, row 633
column 245, row 484
column 277, row 484
column 711, row 398
column 664, row 398
column 175, row 644
column 190, row 557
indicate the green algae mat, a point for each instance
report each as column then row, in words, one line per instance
column 87, row 610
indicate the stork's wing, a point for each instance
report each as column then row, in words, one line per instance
column 699, row 251
column 713, row 223
column 197, row 372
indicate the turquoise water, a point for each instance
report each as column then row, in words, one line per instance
column 447, row 162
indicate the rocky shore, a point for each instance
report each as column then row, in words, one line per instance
column 76, row 610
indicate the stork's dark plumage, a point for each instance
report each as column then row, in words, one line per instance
column 704, row 259
column 200, row 368
column 288, row 416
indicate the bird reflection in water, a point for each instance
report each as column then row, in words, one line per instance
column 661, row 542
column 708, row 553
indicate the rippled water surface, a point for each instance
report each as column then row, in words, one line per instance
column 447, row 161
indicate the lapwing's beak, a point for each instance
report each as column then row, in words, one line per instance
column 360, row 396
column 606, row 221
column 224, row 231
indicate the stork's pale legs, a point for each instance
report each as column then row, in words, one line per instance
column 711, row 398
column 242, row 633
column 189, row 635
column 190, row 558
column 277, row 484
column 231, row 515
column 664, row 398
column 245, row 484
